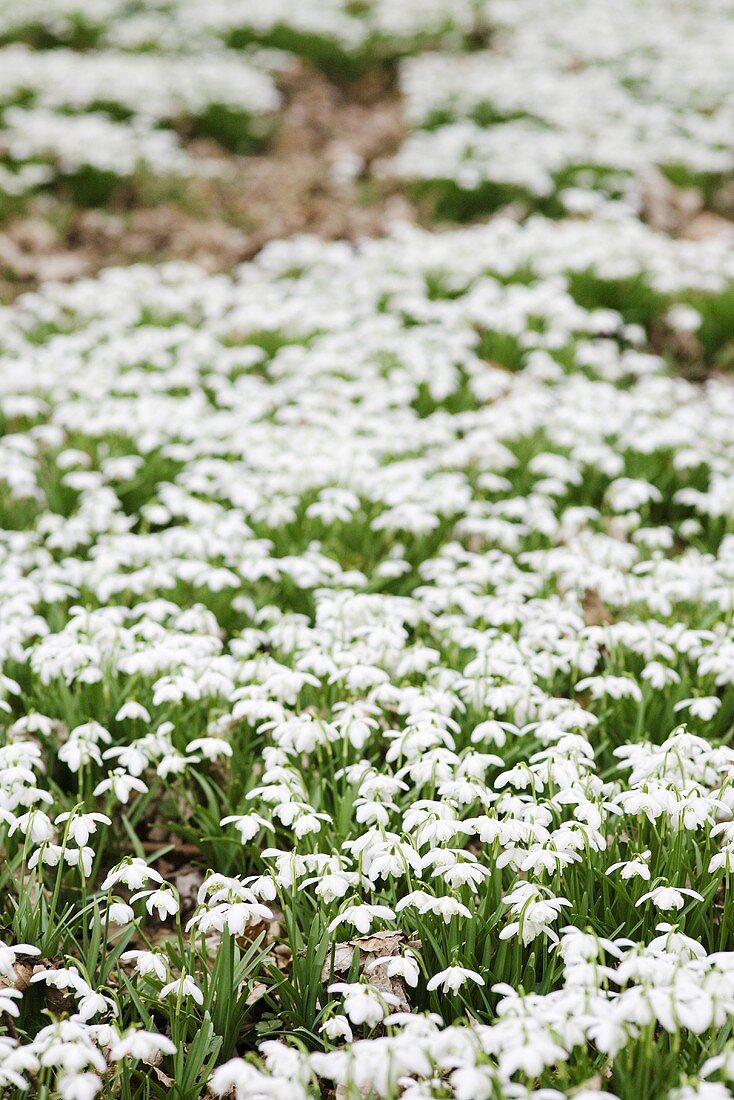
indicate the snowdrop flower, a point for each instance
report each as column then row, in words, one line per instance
column 8, row 999
column 723, row 1063
column 9, row 956
column 247, row 825
column 703, row 706
column 82, row 858
column 337, row 1027
column 163, row 901
column 147, row 962
column 82, row 825
column 668, row 897
column 362, row 917
column 35, row 824
column 446, row 907
column 132, row 710
column 210, row 747
column 616, row 687
column 722, row 861
column 334, row 885
column 133, row 872
column 121, row 784
column 398, row 966
column 143, row 1045
column 91, row 1004
column 79, row 751
column 117, row 913
column 363, row 1003
column 184, row 986
column 48, row 855
column 238, row 1078
column 78, row 1086
column 453, row 978
column 632, row 868
column 63, row 978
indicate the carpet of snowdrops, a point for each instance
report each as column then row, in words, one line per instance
column 367, row 613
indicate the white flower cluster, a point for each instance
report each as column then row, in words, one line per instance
column 69, row 143
column 342, row 23
column 153, row 88
column 64, row 111
column 401, row 578
column 367, row 614
column 577, row 96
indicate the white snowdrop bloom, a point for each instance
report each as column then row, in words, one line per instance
column 536, row 910
column 79, row 751
column 703, row 1090
column 140, row 1045
column 8, row 1001
column 185, row 986
column 722, row 861
column 659, row 676
column 263, row 887
column 131, row 709
column 616, row 687
column 331, row 886
column 82, row 825
column 81, row 858
column 671, row 939
column 446, row 907
column 9, row 955
column 91, row 1004
column 91, row 731
column 79, row 1086
column 632, row 868
column 703, row 707
column 364, row 1003
column 247, row 825
column 337, row 1027
column 63, row 978
column 684, row 317
column 133, row 758
column 235, row 917
column 164, row 901
column 49, row 855
column 121, row 784
column 147, row 962
column 361, row 917
column 210, row 747
column 133, row 872
column 118, row 913
column 398, row 966
column 35, row 824
column 463, row 874
column 669, row 897
column 653, row 804
column 723, row 1062
column 237, row 1077
column 453, row 978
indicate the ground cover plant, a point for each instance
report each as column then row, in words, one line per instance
column 572, row 99
column 367, row 610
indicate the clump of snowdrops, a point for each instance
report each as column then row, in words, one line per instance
column 366, row 616
column 367, row 673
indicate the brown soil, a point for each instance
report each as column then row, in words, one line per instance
column 313, row 177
